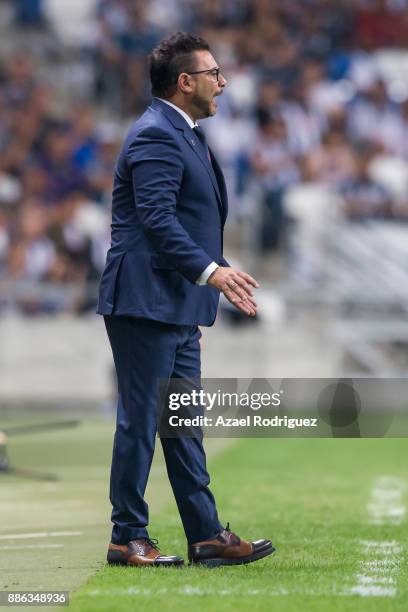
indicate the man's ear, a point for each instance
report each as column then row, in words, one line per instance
column 184, row 82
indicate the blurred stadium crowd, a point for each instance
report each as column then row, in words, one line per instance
column 317, row 94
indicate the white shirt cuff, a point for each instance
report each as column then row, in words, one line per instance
column 204, row 276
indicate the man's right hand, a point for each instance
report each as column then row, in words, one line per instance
column 237, row 287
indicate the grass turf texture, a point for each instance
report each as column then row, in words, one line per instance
column 309, row 496
column 76, row 502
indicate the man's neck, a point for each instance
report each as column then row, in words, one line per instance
column 187, row 118
column 180, row 104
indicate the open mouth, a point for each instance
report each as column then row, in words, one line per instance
column 213, row 100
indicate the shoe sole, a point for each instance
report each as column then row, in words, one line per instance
column 217, row 562
column 116, row 558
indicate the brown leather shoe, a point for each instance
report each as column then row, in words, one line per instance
column 140, row 553
column 228, row 549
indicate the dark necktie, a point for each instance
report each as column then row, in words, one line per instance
column 201, row 137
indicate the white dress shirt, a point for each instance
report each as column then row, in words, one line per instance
column 205, row 275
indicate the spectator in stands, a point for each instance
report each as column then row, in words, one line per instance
column 373, row 117
column 333, row 161
column 364, row 197
column 305, row 123
column 276, row 169
column 29, row 13
column 98, row 173
column 84, row 141
column 31, row 253
column 400, row 145
column 57, row 161
column 19, row 79
column 125, row 38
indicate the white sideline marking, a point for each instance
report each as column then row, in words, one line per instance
column 363, row 579
column 381, row 563
column 382, row 548
column 373, row 590
column 194, row 590
column 40, row 534
column 386, row 505
column 31, row 546
column 376, row 575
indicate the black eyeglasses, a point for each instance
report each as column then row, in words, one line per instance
column 215, row 72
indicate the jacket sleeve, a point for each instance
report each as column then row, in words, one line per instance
column 156, row 164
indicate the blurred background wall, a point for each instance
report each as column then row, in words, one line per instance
column 312, row 134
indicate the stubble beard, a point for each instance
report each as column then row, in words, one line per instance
column 203, row 106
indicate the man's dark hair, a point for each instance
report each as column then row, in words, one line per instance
column 170, row 58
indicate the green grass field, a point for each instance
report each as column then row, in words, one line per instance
column 334, row 508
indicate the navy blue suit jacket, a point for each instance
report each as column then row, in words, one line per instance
column 168, row 213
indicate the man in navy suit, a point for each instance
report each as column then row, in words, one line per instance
column 163, row 276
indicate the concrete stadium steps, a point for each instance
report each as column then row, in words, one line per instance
column 65, row 360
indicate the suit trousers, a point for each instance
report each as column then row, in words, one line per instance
column 146, row 352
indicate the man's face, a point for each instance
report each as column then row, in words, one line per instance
column 206, row 88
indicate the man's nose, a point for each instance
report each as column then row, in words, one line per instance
column 222, row 81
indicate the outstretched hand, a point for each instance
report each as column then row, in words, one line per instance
column 237, row 287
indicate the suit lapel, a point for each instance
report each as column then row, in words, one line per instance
column 222, row 187
column 180, row 123
column 197, row 147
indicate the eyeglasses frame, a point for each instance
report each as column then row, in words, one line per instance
column 217, row 72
